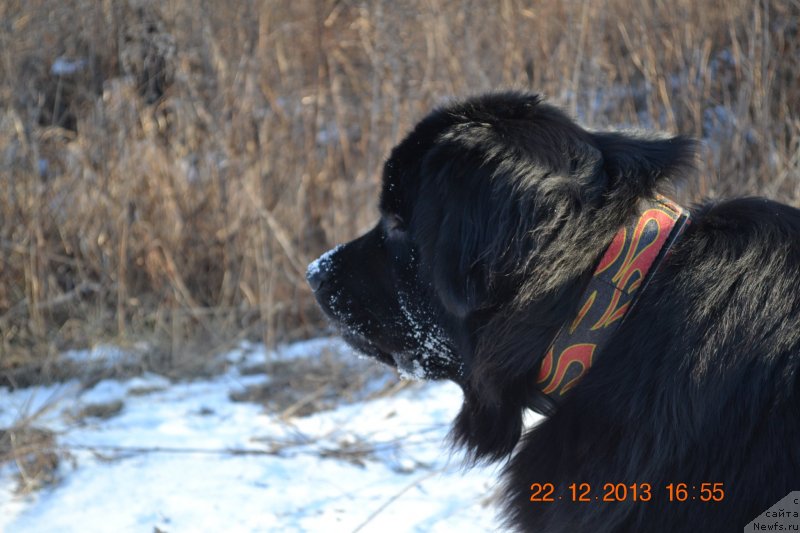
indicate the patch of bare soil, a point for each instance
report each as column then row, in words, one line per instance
column 99, row 410
column 301, row 387
column 33, row 449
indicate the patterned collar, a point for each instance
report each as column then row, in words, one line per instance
column 623, row 272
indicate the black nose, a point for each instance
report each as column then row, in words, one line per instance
column 319, row 270
column 316, row 274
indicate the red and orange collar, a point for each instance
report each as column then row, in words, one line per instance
column 624, row 270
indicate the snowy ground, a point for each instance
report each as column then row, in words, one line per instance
column 185, row 457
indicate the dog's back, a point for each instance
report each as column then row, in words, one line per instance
column 697, row 397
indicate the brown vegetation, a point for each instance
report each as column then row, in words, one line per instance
column 34, row 451
column 167, row 169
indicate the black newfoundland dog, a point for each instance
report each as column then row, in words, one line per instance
column 672, row 405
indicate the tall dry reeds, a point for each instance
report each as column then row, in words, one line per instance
column 167, row 169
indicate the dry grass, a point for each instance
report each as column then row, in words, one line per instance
column 176, row 184
column 101, row 410
column 34, row 452
column 300, row 387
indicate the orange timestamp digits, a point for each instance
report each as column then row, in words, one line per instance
column 581, row 492
column 613, row 492
column 708, row 492
column 542, row 492
column 627, row 492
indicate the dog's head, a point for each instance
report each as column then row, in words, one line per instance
column 493, row 210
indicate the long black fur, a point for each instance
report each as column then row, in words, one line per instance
column 495, row 211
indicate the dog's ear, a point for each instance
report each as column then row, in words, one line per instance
column 493, row 195
column 638, row 166
column 456, row 225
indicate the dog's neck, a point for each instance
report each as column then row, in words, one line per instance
column 624, row 271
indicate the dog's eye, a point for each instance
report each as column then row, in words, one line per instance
column 394, row 226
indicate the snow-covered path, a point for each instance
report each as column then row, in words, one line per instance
column 185, row 457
